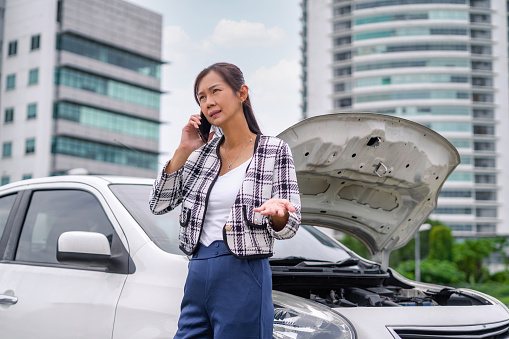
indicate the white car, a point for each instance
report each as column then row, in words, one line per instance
column 83, row 257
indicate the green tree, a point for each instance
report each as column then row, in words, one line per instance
column 433, row 271
column 355, row 245
column 440, row 243
column 470, row 254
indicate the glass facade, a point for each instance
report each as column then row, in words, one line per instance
column 428, row 15
column 108, row 54
column 460, row 176
column 380, row 49
column 426, row 110
column 411, row 79
column 384, row 3
column 414, row 63
column 410, row 32
column 111, row 88
column 106, row 120
column 105, row 153
column 412, row 96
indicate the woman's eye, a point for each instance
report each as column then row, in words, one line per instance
column 215, row 90
column 201, row 97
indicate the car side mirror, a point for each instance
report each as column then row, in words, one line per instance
column 83, row 249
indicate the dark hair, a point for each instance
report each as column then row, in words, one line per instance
column 233, row 76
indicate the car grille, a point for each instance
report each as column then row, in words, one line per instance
column 487, row 331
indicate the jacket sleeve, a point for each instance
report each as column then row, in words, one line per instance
column 166, row 192
column 285, row 186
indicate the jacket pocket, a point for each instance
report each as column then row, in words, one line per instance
column 184, row 217
column 254, row 224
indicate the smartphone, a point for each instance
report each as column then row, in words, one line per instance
column 204, row 128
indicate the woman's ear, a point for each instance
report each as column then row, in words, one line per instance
column 243, row 92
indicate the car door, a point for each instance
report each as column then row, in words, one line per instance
column 43, row 298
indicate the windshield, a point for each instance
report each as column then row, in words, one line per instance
column 162, row 229
column 309, row 242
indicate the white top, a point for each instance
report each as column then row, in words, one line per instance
column 221, row 199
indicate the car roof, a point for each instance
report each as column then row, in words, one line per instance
column 94, row 180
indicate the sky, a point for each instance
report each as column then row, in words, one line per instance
column 262, row 37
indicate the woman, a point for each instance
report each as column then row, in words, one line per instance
column 238, row 193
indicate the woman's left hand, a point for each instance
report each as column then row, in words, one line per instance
column 278, row 210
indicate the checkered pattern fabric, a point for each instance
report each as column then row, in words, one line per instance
column 247, row 234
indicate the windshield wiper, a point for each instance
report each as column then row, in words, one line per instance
column 302, row 261
column 294, row 261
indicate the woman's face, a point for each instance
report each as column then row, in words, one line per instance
column 217, row 100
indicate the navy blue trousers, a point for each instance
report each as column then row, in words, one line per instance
column 226, row 297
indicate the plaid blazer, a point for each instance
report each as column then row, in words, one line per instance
column 247, row 234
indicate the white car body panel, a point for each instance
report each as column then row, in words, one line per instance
column 149, row 306
column 58, row 303
column 373, row 322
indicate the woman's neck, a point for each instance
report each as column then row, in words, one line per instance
column 235, row 135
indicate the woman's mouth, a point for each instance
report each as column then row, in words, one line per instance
column 214, row 113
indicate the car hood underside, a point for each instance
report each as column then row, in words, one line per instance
column 373, row 176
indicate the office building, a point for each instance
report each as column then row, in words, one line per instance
column 80, row 88
column 441, row 63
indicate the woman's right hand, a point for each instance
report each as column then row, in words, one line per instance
column 190, row 139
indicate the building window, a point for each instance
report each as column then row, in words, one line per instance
column 486, row 228
column 5, row 180
column 485, row 162
column 32, row 111
column 484, row 146
column 483, row 113
column 486, row 212
column 9, row 115
column 104, row 153
column 484, row 130
column 453, row 210
column 486, row 195
column 108, row 54
column 11, row 81
column 30, row 146
column 26, row 176
column 35, row 42
column 103, row 86
column 455, row 194
column 106, row 120
column 462, row 227
column 13, row 48
column 485, row 179
column 7, row 149
column 33, row 76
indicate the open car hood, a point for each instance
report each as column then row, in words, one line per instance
column 373, row 176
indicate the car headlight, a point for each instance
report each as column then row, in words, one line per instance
column 298, row 318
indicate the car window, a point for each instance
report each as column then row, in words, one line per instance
column 6, row 204
column 163, row 229
column 52, row 213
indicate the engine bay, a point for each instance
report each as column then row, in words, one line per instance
column 394, row 296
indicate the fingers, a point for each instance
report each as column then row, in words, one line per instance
column 275, row 207
column 195, row 120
